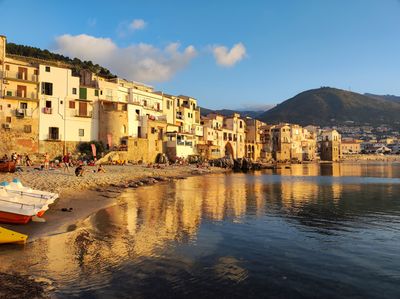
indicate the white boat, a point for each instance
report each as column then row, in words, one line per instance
column 20, row 194
column 16, row 187
column 13, row 210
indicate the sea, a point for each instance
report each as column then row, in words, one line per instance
column 305, row 231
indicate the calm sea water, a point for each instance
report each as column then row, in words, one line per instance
column 328, row 231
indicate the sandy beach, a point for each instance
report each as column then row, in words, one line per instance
column 90, row 193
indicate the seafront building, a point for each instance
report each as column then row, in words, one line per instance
column 46, row 106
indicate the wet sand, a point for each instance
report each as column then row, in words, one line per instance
column 90, row 193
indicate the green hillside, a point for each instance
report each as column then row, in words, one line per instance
column 327, row 106
column 76, row 64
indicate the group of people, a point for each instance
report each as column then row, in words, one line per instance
column 18, row 159
column 66, row 163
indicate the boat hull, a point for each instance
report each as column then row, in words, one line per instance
column 10, row 237
column 7, row 167
column 13, row 218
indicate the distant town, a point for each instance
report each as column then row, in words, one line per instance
column 45, row 108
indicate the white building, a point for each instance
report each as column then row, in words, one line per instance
column 66, row 110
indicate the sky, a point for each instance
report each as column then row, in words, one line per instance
column 226, row 54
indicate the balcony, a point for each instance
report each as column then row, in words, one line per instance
column 47, row 110
column 20, row 76
column 21, row 113
column 86, row 114
column 53, row 137
column 14, row 94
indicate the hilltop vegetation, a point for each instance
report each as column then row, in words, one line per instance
column 328, row 106
column 76, row 63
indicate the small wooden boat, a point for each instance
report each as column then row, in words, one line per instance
column 7, row 166
column 19, row 194
column 11, row 237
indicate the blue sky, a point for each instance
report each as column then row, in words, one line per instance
column 282, row 47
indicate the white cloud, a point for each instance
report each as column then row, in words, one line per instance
column 140, row 62
column 137, row 24
column 228, row 58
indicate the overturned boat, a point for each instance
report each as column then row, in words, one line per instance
column 11, row 237
column 18, row 204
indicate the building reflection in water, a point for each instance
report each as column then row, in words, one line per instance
column 148, row 221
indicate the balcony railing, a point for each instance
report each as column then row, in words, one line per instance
column 54, row 137
column 77, row 113
column 20, row 76
column 87, row 114
column 18, row 94
column 21, row 113
column 47, row 110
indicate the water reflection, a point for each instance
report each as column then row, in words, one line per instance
column 226, row 234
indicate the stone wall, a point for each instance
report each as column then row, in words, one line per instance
column 15, row 141
column 138, row 149
column 56, row 148
column 145, row 150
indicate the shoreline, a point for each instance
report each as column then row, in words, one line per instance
column 90, row 193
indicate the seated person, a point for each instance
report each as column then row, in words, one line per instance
column 79, row 170
column 101, row 169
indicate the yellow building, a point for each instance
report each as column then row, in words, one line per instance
column 330, row 145
column 281, row 146
column 19, row 104
column 254, row 144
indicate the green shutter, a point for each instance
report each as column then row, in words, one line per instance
column 83, row 93
column 96, row 92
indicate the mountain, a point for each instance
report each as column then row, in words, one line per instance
column 388, row 97
column 328, row 106
column 228, row 112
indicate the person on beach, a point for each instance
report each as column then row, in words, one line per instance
column 79, row 170
column 46, row 161
column 101, row 169
column 66, row 161
column 28, row 160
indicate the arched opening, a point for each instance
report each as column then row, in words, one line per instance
column 229, row 150
column 252, row 152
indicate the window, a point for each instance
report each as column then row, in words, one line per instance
column 28, row 129
column 23, row 105
column 35, row 72
column 241, row 124
column 8, row 105
column 53, row 133
column 47, row 69
column 81, row 132
column 72, row 104
column 74, row 90
column 48, row 104
column 83, row 93
column 96, row 92
column 9, row 93
column 8, row 119
column 7, row 67
column 168, row 104
column 47, row 88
